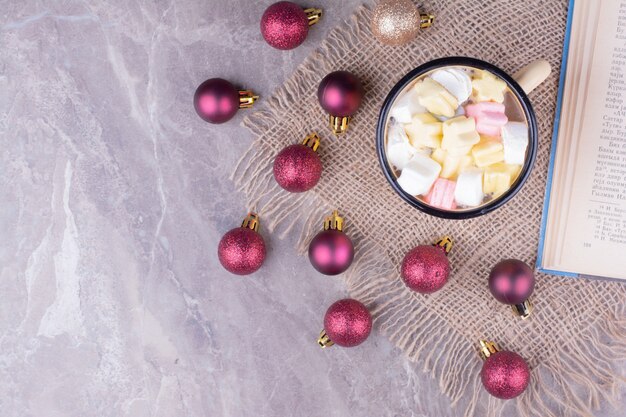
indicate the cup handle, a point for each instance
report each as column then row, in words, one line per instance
column 533, row 74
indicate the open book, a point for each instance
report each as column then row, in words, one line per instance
column 584, row 222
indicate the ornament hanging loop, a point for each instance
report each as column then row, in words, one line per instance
column 324, row 341
column 247, row 99
column 251, row 222
column 523, row 310
column 312, row 141
column 488, row 348
column 333, row 222
column 313, row 15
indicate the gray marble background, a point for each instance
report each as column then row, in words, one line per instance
column 114, row 195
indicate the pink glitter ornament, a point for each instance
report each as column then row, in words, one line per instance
column 285, row 25
column 504, row 374
column 298, row 168
column 241, row 251
column 425, row 269
column 347, row 323
column 331, row 251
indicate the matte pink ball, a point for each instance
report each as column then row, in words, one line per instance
column 505, row 375
column 216, row 100
column 348, row 322
column 241, row 251
column 297, row 168
column 425, row 269
column 340, row 93
column 331, row 252
column 284, row 25
column 511, row 281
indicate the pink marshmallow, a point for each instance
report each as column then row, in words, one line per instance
column 489, row 117
column 441, row 195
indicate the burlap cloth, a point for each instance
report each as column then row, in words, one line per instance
column 577, row 332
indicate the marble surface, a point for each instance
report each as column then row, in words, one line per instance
column 114, row 196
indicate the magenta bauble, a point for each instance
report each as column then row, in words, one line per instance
column 511, row 281
column 216, row 100
column 297, row 168
column 285, row 25
column 425, row 269
column 340, row 93
column 241, row 251
column 347, row 322
column 331, row 252
column 505, row 374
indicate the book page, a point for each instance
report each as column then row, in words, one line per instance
column 595, row 238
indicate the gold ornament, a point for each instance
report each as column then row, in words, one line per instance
column 396, row 22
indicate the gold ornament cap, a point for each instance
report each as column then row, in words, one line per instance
column 313, row 15
column 523, row 310
column 251, row 222
column 333, row 222
column 324, row 341
column 338, row 124
column 312, row 141
column 445, row 243
column 487, row 348
column 247, row 99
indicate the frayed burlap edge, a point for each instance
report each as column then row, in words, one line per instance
column 573, row 382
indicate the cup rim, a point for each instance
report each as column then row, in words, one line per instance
column 526, row 107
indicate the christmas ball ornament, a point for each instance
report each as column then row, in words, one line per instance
column 425, row 268
column 242, row 250
column 285, row 25
column 340, row 95
column 298, row 168
column 217, row 100
column 396, row 22
column 331, row 251
column 512, row 282
column 347, row 323
column 505, row 374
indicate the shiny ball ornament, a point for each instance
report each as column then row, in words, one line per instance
column 512, row 282
column 347, row 323
column 504, row 374
column 396, row 22
column 425, row 268
column 340, row 94
column 298, row 168
column 331, row 251
column 285, row 25
column 241, row 251
column 217, row 100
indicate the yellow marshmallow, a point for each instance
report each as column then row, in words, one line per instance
column 453, row 165
column 488, row 87
column 436, row 98
column 424, row 130
column 459, row 135
column 497, row 179
column 489, row 151
column 439, row 155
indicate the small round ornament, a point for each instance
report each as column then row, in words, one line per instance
column 340, row 94
column 217, row 100
column 512, row 282
column 396, row 22
column 425, row 268
column 298, row 168
column 285, row 25
column 504, row 374
column 331, row 251
column 347, row 323
column 242, row 250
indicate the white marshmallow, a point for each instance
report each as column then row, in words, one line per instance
column 399, row 150
column 406, row 106
column 469, row 188
column 419, row 175
column 515, row 140
column 456, row 81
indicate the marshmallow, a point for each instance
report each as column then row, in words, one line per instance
column 399, row 150
column 436, row 98
column 488, row 87
column 442, row 194
column 406, row 106
column 418, row 175
column 489, row 117
column 456, row 81
column 454, row 164
column 424, row 130
column 498, row 179
column 515, row 139
column 459, row 135
column 469, row 188
column 488, row 151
